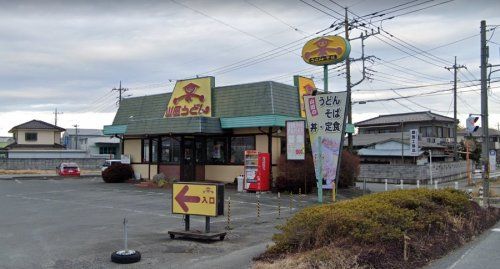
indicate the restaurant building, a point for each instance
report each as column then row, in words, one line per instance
column 200, row 132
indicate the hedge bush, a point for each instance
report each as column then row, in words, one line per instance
column 435, row 220
column 118, row 173
column 295, row 174
column 300, row 174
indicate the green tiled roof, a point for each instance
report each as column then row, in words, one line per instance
column 260, row 98
column 142, row 108
column 272, row 102
column 114, row 129
column 256, row 121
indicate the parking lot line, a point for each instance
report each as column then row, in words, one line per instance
column 98, row 206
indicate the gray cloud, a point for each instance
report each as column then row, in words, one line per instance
column 67, row 54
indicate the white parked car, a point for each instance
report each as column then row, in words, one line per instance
column 108, row 163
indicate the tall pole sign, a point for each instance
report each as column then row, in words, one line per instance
column 326, row 113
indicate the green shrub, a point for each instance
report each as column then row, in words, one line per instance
column 118, row 173
column 381, row 217
column 293, row 175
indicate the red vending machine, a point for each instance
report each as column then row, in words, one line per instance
column 257, row 172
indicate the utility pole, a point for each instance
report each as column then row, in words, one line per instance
column 55, row 116
column 348, row 61
column 348, row 82
column 120, row 91
column 76, row 135
column 455, row 67
column 484, row 112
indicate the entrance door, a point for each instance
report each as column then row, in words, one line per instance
column 188, row 160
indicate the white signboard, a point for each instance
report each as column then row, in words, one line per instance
column 295, row 140
column 125, row 159
column 493, row 160
column 414, row 142
column 325, row 121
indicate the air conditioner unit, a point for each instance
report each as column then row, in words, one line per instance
column 448, row 140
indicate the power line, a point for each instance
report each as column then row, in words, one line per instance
column 276, row 18
column 413, row 11
column 320, row 10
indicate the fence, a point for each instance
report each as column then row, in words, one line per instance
column 442, row 171
column 49, row 164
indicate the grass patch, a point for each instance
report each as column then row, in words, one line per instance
column 369, row 231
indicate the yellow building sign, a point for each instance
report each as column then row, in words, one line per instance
column 326, row 50
column 191, row 98
column 306, row 86
column 195, row 199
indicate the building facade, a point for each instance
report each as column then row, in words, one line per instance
column 200, row 132
column 93, row 141
column 386, row 139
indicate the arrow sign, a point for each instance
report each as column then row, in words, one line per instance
column 182, row 198
column 200, row 199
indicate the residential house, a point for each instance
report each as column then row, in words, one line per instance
column 36, row 134
column 38, row 139
column 385, row 139
column 93, row 141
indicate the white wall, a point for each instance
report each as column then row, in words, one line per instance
column 44, row 137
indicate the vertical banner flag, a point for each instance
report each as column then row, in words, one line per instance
column 306, row 86
column 414, row 142
column 295, row 140
column 325, row 115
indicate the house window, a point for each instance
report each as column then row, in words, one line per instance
column 446, row 132
column 217, row 150
column 145, row 150
column 31, row 136
column 107, row 150
column 426, row 131
column 170, row 150
column 439, row 131
column 238, row 146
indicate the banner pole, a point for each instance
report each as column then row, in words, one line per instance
column 325, row 78
column 319, row 175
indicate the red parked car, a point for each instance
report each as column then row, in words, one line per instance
column 68, row 169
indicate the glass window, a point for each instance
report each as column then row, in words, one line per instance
column 440, row 132
column 238, row 146
column 216, row 150
column 107, row 150
column 31, row 136
column 199, row 152
column 154, row 150
column 446, row 132
column 426, row 131
column 170, row 150
column 145, row 150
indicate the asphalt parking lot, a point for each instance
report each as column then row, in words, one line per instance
column 77, row 223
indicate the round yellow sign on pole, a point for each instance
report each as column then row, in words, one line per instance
column 326, row 50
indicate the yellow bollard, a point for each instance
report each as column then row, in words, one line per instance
column 258, row 208
column 228, row 226
column 279, row 206
column 333, row 192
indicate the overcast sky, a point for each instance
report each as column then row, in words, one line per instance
column 70, row 54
